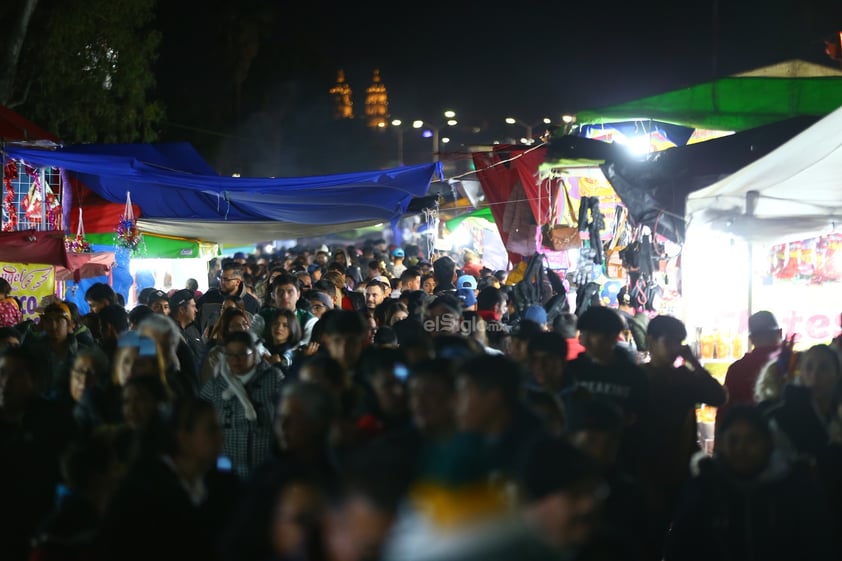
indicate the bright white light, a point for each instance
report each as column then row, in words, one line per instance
column 397, row 123
column 452, row 122
column 445, row 140
column 449, row 114
column 567, row 118
column 268, row 248
column 381, row 125
column 525, row 140
column 417, row 124
column 547, row 120
column 460, row 237
column 639, row 145
column 235, row 174
column 511, row 120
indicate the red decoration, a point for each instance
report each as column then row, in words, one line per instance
column 78, row 243
column 10, row 173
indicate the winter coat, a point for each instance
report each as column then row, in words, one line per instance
column 779, row 514
column 247, row 443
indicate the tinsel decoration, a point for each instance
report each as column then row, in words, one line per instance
column 128, row 236
column 78, row 243
column 10, row 210
column 38, row 195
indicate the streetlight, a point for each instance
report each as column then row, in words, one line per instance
column 528, row 139
column 435, row 132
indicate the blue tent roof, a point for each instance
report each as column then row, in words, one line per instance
column 179, row 194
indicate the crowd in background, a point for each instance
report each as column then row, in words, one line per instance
column 364, row 403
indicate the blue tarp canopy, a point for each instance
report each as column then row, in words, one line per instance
column 180, row 195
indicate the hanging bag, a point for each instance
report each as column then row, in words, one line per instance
column 561, row 237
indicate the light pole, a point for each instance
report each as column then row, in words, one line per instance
column 528, row 139
column 435, row 132
column 396, row 123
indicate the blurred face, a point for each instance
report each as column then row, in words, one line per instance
column 547, row 368
column 280, row 329
column 413, row 283
column 317, row 308
column 664, row 350
column 295, row 519
column 203, row 442
column 432, row 404
column 295, row 429
column 599, row 346
column 345, row 348
column 229, row 282
column 390, row 393
column 373, row 296
column 238, row 323
column 160, row 307
column 441, row 319
column 285, row 296
column 188, row 311
column 56, row 326
column 475, row 408
column 123, row 361
column 16, row 385
column 397, row 316
column 96, row 305
column 567, row 518
column 744, row 448
column 429, row 285
column 601, row 445
column 306, row 282
column 818, row 372
column 10, row 341
column 241, row 358
column 81, row 376
column 139, row 407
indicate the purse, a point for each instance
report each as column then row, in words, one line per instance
column 561, row 237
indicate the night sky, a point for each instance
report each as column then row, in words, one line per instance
column 484, row 61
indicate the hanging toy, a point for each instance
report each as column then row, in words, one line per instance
column 128, row 236
column 78, row 243
column 10, row 210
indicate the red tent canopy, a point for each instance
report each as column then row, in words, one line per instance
column 33, row 246
column 14, row 128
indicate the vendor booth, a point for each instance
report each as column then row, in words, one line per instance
column 767, row 238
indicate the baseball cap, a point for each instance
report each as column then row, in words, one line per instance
column 398, row 252
column 157, row 296
column 467, row 281
column 467, row 296
column 536, row 313
column 59, row 308
column 762, row 322
column 321, row 297
column 180, row 297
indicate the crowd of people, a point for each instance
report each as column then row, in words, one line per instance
column 362, row 404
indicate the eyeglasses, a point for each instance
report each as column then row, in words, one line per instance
column 82, row 372
column 228, row 279
column 244, row 354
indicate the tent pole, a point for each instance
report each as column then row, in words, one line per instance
column 751, row 206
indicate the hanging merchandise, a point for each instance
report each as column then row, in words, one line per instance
column 128, row 236
column 561, row 237
column 10, row 211
column 78, row 243
column 519, row 223
column 41, row 200
column 591, row 223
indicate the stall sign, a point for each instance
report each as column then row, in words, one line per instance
column 30, row 283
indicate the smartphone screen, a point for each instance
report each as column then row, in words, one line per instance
column 223, row 463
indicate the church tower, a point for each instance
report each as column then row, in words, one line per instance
column 376, row 103
column 343, row 107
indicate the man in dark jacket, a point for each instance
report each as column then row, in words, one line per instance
column 604, row 369
column 231, row 283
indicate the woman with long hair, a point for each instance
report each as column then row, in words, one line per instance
column 281, row 337
column 232, row 319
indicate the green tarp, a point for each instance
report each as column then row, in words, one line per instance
column 734, row 103
column 484, row 213
column 163, row 247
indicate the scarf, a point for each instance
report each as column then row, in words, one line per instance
column 237, row 387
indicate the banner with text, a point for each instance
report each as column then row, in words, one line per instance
column 30, row 283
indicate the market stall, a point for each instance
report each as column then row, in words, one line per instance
column 766, row 238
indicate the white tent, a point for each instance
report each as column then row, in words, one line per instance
column 791, row 196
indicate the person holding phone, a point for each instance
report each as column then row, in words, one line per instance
column 677, row 382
